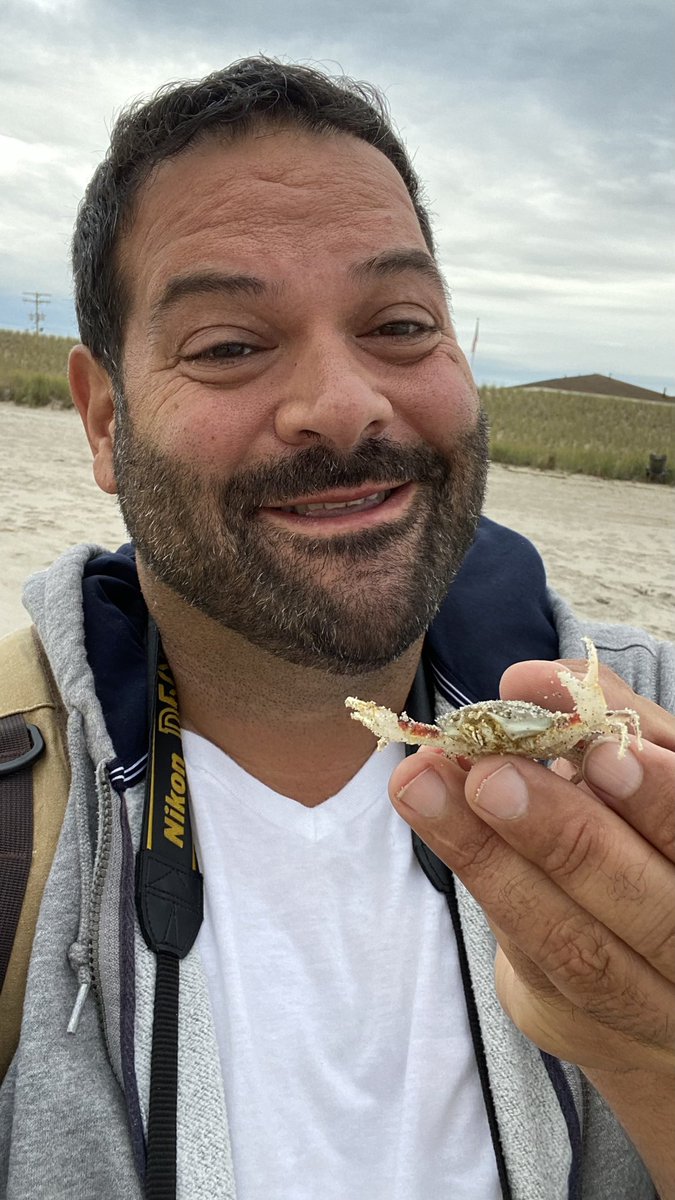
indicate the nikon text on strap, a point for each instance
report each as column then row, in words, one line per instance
column 169, row 900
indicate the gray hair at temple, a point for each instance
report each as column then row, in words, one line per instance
column 228, row 104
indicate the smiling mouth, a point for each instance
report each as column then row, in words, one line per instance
column 336, row 507
column 343, row 509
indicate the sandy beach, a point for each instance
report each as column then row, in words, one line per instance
column 607, row 546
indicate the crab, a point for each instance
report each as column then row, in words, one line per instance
column 512, row 726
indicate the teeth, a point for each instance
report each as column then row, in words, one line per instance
column 366, row 502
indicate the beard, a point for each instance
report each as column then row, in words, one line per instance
column 345, row 604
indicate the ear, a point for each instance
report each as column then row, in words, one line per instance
column 92, row 391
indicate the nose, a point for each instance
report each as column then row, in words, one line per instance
column 333, row 396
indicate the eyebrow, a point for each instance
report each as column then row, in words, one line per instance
column 397, row 262
column 199, row 283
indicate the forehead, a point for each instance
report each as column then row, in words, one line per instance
column 273, row 201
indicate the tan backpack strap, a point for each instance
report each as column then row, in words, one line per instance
column 20, row 745
column 27, row 687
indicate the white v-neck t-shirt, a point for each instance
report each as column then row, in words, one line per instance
column 347, row 1061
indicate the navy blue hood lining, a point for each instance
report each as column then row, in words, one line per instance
column 115, row 636
column 496, row 613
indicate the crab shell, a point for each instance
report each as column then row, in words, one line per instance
column 512, row 726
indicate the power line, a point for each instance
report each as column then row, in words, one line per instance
column 37, row 315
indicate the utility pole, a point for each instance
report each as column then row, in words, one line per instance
column 37, row 315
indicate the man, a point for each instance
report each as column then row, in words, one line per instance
column 270, row 380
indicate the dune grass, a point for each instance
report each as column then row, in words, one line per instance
column 33, row 369
column 34, row 389
column 588, row 435
column 44, row 354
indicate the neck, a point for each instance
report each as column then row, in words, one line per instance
column 286, row 725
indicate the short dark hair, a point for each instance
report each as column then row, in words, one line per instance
column 232, row 102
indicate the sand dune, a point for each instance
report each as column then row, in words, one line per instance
column 607, row 545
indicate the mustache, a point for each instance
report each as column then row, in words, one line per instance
column 318, row 469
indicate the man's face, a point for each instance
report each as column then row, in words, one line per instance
column 298, row 453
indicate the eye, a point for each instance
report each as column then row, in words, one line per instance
column 406, row 330
column 221, row 352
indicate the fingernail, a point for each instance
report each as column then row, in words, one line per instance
column 603, row 769
column 426, row 794
column 503, row 794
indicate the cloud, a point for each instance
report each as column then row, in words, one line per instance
column 540, row 132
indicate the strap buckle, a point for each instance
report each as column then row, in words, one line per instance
column 17, row 764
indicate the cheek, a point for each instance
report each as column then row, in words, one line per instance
column 443, row 403
column 203, row 427
column 218, row 436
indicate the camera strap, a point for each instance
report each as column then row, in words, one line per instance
column 169, row 902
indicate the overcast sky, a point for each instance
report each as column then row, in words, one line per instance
column 541, row 128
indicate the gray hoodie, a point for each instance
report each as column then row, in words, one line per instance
column 73, row 1107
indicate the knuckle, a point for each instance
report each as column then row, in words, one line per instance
column 478, row 854
column 577, row 852
column 629, row 883
column 581, row 958
column 578, row 949
column 520, row 898
column 631, row 1012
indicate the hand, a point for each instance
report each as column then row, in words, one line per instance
column 577, row 880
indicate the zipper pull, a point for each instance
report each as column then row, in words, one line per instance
column 82, row 993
